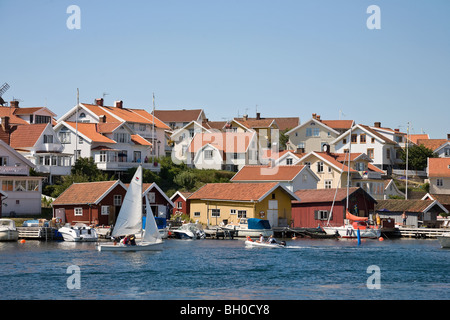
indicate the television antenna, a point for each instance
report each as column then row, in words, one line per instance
column 3, row 89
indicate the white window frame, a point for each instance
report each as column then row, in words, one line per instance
column 78, row 211
column 117, row 200
column 105, row 211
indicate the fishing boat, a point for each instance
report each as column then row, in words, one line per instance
column 8, row 231
column 444, row 240
column 252, row 227
column 189, row 231
column 78, row 233
column 129, row 221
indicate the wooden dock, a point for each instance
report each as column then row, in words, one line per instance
column 37, row 233
column 421, row 232
column 220, row 233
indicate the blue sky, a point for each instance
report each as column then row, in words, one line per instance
column 287, row 57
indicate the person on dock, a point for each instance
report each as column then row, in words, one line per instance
column 404, row 216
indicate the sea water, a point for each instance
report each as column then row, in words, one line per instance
column 227, row 270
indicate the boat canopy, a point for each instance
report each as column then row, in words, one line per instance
column 254, row 223
column 160, row 222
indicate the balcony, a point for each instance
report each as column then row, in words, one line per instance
column 123, row 166
column 13, row 170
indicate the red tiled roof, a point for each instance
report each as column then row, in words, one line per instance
column 90, row 130
column 432, row 144
column 338, row 124
column 137, row 139
column 182, row 115
column 228, row 142
column 233, row 191
column 25, row 136
column 414, row 137
column 439, row 167
column 266, row 173
column 323, row 195
column 84, row 193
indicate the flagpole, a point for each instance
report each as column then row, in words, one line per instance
column 76, row 125
column 153, row 129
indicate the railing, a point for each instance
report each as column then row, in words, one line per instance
column 12, row 170
column 127, row 165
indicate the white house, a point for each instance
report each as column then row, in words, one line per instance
column 181, row 138
column 223, row 150
column 118, row 138
column 438, row 170
column 293, row 177
column 21, row 192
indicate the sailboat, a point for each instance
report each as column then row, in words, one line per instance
column 352, row 224
column 129, row 221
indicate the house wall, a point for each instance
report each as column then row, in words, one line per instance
column 334, row 175
column 444, row 189
column 204, row 207
column 200, row 162
column 185, row 206
column 303, row 215
column 284, row 208
column 312, row 143
column 21, row 201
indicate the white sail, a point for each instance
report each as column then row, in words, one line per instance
column 151, row 233
column 129, row 220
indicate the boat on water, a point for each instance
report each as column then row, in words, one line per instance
column 250, row 227
column 78, row 233
column 351, row 226
column 8, row 230
column 444, row 240
column 129, row 222
column 189, row 231
column 249, row 243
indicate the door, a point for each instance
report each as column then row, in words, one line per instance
column 272, row 213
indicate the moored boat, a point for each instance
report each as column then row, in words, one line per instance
column 78, row 233
column 251, row 227
column 351, row 227
column 8, row 231
column 189, row 231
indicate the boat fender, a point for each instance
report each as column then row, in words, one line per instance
column 57, row 220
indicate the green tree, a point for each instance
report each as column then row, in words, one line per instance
column 417, row 157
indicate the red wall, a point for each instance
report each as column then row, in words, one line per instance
column 185, row 208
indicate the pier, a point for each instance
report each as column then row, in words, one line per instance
column 37, row 233
column 421, row 232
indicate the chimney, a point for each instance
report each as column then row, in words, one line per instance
column 245, row 117
column 397, row 130
column 377, row 124
column 314, row 115
column 14, row 104
column 5, row 124
column 118, row 104
column 448, row 136
column 258, row 116
column 99, row 102
column 102, row 118
column 318, row 117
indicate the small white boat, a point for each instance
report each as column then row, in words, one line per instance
column 78, row 233
column 444, row 240
column 251, row 227
column 189, row 231
column 256, row 244
column 8, row 231
column 350, row 229
column 129, row 222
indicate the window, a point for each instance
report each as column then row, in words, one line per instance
column 151, row 197
column 308, row 164
column 102, row 156
column 359, row 166
column 64, row 136
column 321, row 214
column 215, row 212
column 21, row 185
column 208, row 154
column 7, row 185
column 42, row 119
column 447, row 152
column 232, row 211
column 48, row 138
column 235, row 155
column 289, row 161
column 142, row 127
column 191, row 133
column 78, row 211
column 316, row 132
column 362, row 138
column 354, row 138
column 370, row 153
column 328, row 184
column 308, row 132
column 105, row 211
column 179, row 204
column 305, row 178
column 344, row 141
column 80, row 140
column 242, row 214
column 117, row 200
column 319, row 167
column 439, row 182
column 373, row 140
column 197, row 214
column 3, row 161
column 33, row 185
column 121, row 137
column 388, row 153
column 301, row 145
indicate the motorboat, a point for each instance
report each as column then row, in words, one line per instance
column 351, row 226
column 257, row 244
column 129, row 222
column 189, row 231
column 251, row 227
column 8, row 230
column 78, row 233
column 444, row 240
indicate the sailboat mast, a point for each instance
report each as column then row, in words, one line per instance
column 349, row 156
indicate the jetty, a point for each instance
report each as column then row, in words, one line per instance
column 421, row 232
column 37, row 233
column 219, row 233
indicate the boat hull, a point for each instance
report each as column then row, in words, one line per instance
column 254, row 244
column 444, row 240
column 142, row 246
column 351, row 233
column 9, row 235
column 78, row 235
